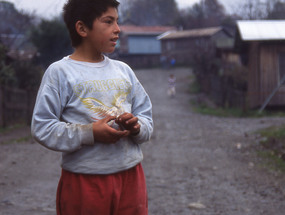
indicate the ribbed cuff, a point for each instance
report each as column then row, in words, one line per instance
column 87, row 137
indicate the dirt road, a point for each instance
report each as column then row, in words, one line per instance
column 191, row 159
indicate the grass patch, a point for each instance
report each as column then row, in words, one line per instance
column 274, row 131
column 11, row 128
column 225, row 112
column 194, row 87
column 14, row 134
column 272, row 161
column 217, row 111
column 273, row 143
column 204, row 108
column 18, row 140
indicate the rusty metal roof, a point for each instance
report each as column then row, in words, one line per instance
column 256, row 30
column 202, row 32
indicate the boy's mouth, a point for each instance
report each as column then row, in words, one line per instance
column 114, row 40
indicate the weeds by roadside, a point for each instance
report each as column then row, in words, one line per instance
column 17, row 140
column 204, row 106
column 271, row 161
column 273, row 141
column 11, row 128
column 18, row 133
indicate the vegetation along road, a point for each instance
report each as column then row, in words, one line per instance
column 194, row 164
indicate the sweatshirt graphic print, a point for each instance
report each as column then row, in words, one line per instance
column 102, row 108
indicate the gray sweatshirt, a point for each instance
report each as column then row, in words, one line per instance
column 72, row 95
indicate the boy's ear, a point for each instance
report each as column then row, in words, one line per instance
column 81, row 28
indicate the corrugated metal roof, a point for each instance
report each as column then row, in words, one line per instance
column 138, row 30
column 202, row 32
column 256, row 30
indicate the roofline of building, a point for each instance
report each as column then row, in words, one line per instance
column 144, row 30
column 260, row 36
column 183, row 34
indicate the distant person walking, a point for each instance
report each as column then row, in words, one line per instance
column 171, row 85
column 172, row 62
column 163, row 61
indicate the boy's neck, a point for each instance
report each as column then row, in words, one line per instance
column 80, row 54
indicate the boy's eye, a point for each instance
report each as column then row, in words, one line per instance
column 109, row 21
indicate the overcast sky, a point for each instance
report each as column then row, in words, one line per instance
column 51, row 8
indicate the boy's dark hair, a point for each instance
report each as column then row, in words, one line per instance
column 86, row 11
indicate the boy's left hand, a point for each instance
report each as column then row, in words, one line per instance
column 129, row 122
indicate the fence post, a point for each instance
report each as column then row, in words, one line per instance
column 30, row 106
column 2, row 102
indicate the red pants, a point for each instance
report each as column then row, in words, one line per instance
column 122, row 193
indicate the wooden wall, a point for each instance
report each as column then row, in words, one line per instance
column 253, row 97
column 264, row 73
column 184, row 49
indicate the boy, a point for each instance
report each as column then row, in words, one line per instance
column 95, row 111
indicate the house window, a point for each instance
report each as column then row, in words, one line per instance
column 282, row 66
column 144, row 45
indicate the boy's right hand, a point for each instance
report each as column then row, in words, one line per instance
column 104, row 133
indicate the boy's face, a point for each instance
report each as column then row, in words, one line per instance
column 105, row 32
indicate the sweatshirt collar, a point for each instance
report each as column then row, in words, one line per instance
column 84, row 63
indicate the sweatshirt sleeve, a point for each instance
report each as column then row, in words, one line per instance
column 47, row 127
column 142, row 108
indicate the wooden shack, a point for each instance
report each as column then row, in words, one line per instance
column 183, row 45
column 261, row 45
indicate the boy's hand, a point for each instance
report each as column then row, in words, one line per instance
column 129, row 122
column 106, row 134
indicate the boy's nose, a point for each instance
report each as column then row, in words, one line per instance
column 117, row 29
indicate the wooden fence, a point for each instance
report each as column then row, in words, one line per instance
column 16, row 106
column 225, row 91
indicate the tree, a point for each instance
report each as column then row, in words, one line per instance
column 14, row 28
column 27, row 73
column 206, row 13
column 12, row 20
column 261, row 9
column 7, row 74
column 278, row 11
column 149, row 12
column 52, row 41
column 18, row 73
column 253, row 10
column 194, row 17
column 214, row 12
